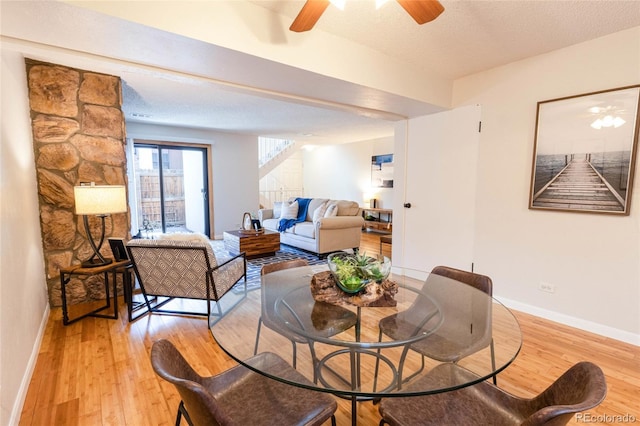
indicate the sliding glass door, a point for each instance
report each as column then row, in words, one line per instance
column 171, row 184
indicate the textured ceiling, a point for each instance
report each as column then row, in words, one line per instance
column 470, row 36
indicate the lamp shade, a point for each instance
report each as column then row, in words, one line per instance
column 100, row 199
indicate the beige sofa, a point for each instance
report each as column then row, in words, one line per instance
column 327, row 234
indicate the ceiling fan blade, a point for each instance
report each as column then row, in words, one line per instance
column 422, row 11
column 309, row 15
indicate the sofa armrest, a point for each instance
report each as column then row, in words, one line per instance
column 340, row 222
column 265, row 214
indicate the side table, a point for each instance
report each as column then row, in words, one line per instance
column 114, row 268
column 253, row 244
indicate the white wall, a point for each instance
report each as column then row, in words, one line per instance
column 24, row 305
column 344, row 172
column 234, row 164
column 592, row 260
column 24, row 308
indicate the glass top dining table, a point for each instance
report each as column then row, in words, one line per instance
column 364, row 352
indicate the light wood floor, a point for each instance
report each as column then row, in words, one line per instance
column 97, row 371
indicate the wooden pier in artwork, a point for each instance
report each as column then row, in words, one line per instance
column 579, row 186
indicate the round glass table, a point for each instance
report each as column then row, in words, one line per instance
column 364, row 352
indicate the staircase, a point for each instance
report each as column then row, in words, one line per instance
column 272, row 153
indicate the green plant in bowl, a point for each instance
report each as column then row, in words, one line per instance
column 378, row 270
column 353, row 272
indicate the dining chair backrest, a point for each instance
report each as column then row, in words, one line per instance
column 472, row 309
column 285, row 264
column 580, row 388
column 481, row 282
column 169, row 364
column 273, row 290
column 324, row 318
column 240, row 395
column 462, row 323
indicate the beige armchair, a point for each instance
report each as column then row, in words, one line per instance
column 170, row 269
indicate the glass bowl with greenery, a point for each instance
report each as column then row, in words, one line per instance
column 352, row 272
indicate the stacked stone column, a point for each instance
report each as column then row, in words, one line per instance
column 78, row 136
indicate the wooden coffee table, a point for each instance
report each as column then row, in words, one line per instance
column 254, row 244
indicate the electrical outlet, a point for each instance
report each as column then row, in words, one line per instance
column 546, row 287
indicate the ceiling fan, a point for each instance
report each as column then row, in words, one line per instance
column 421, row 11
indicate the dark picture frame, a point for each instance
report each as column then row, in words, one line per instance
column 382, row 171
column 118, row 249
column 585, row 152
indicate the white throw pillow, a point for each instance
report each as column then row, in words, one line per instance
column 332, row 210
column 289, row 211
column 277, row 209
column 320, row 211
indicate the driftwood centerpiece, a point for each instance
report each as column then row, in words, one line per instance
column 325, row 289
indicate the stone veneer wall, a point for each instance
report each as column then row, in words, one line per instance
column 78, row 136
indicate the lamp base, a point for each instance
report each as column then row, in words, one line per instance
column 94, row 263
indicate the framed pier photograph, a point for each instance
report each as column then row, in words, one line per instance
column 585, row 152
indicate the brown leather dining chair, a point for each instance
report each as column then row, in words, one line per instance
column 285, row 264
column 580, row 388
column 342, row 319
column 240, row 396
column 454, row 340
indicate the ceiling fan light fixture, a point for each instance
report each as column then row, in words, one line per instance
column 421, row 11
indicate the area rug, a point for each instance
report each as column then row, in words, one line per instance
column 255, row 265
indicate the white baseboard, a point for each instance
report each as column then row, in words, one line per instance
column 590, row 326
column 16, row 411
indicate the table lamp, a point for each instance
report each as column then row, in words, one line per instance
column 101, row 201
